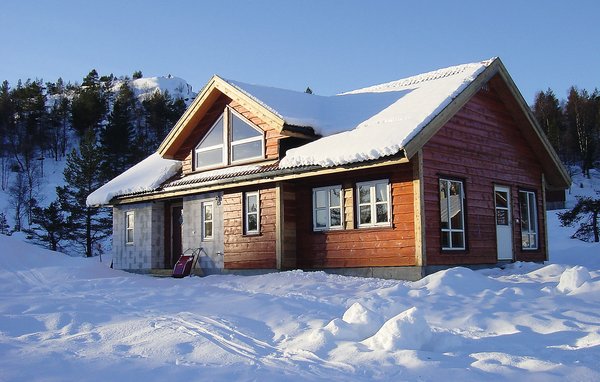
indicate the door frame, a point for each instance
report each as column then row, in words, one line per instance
column 504, row 218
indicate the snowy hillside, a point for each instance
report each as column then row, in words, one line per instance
column 177, row 87
column 67, row 318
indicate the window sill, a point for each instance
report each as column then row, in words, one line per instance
column 334, row 229
column 450, row 251
column 377, row 226
column 251, row 234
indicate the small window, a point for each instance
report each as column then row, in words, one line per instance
column 129, row 225
column 207, row 221
column 251, row 213
column 452, row 214
column 327, row 208
column 373, row 203
column 210, row 150
column 529, row 224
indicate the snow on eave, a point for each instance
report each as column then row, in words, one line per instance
column 145, row 176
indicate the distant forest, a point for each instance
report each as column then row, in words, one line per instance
column 101, row 128
column 572, row 125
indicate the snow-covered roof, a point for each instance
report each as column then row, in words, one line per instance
column 369, row 123
column 147, row 175
column 361, row 125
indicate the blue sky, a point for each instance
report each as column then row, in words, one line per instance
column 331, row 46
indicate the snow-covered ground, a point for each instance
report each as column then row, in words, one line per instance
column 64, row 318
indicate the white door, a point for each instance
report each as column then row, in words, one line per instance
column 503, row 223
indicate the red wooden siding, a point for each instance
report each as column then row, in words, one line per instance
column 352, row 247
column 289, row 217
column 483, row 146
column 249, row 251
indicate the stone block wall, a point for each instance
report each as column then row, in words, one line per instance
column 147, row 250
column 211, row 256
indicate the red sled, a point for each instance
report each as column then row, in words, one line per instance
column 186, row 263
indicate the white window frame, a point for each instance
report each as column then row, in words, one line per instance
column 373, row 203
column 450, row 230
column 129, row 228
column 328, row 207
column 227, row 143
column 221, row 146
column 205, row 236
column 232, row 143
column 531, row 231
column 248, row 213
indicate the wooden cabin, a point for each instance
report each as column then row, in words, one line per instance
column 396, row 180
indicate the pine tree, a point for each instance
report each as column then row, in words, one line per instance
column 581, row 112
column 89, row 105
column 117, row 138
column 4, row 227
column 587, row 210
column 547, row 111
column 50, row 226
column 83, row 176
column 58, row 118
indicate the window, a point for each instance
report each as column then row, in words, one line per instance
column 207, row 220
column 209, row 151
column 373, row 200
column 246, row 141
column 251, row 213
column 452, row 214
column 327, row 208
column 231, row 139
column 529, row 226
column 129, row 224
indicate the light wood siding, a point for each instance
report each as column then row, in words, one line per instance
column 352, row 247
column 483, row 146
column 249, row 251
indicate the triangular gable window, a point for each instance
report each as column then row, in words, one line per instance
column 231, row 140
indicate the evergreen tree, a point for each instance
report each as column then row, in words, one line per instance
column 89, row 105
column 58, row 118
column 117, row 138
column 82, row 174
column 137, row 74
column 588, row 210
column 581, row 112
column 547, row 111
column 27, row 138
column 6, row 121
column 4, row 227
column 50, row 226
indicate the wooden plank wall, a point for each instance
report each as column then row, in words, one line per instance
column 352, row 247
column 482, row 145
column 290, row 213
column 249, row 251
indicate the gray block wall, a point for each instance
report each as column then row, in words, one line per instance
column 147, row 250
column 211, row 256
